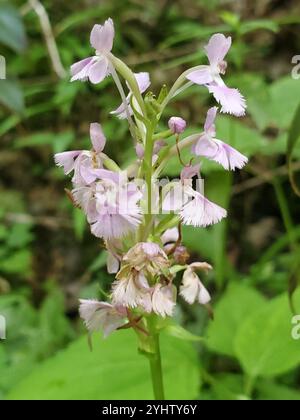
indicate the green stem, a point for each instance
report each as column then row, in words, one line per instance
column 155, row 362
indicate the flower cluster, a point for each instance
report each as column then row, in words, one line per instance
column 144, row 248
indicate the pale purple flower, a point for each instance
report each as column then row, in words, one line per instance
column 231, row 100
column 143, row 81
column 164, row 299
column 96, row 68
column 84, row 162
column 101, row 316
column 216, row 150
column 177, row 125
column 199, row 211
column 132, row 290
column 192, row 289
column 111, row 205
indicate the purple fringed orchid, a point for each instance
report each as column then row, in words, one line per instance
column 216, row 150
column 84, row 162
column 96, row 68
column 231, row 100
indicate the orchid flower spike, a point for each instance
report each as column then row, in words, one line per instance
column 192, row 289
column 216, row 150
column 96, row 68
column 231, row 100
column 84, row 162
column 143, row 82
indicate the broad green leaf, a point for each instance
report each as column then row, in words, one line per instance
column 114, row 370
column 238, row 303
column 11, row 95
column 271, row 391
column 264, row 343
column 181, row 333
column 284, row 100
column 228, row 387
column 12, row 33
column 247, row 140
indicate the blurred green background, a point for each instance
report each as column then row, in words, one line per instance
column 48, row 257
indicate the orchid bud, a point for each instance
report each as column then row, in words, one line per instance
column 177, row 125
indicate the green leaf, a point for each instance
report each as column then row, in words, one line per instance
column 18, row 262
column 228, row 387
column 238, row 302
column 11, row 95
column 283, row 91
column 12, row 33
column 294, row 135
column 270, row 391
column 181, row 333
column 78, row 374
column 264, row 344
column 255, row 25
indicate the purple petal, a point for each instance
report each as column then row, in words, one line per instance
column 217, row 48
column 202, row 212
column 66, row 160
column 97, row 137
column 102, row 36
column 201, row 77
column 229, row 157
column 209, row 126
column 231, row 100
column 98, row 71
column 143, row 81
column 80, row 70
column 120, row 112
column 205, row 146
